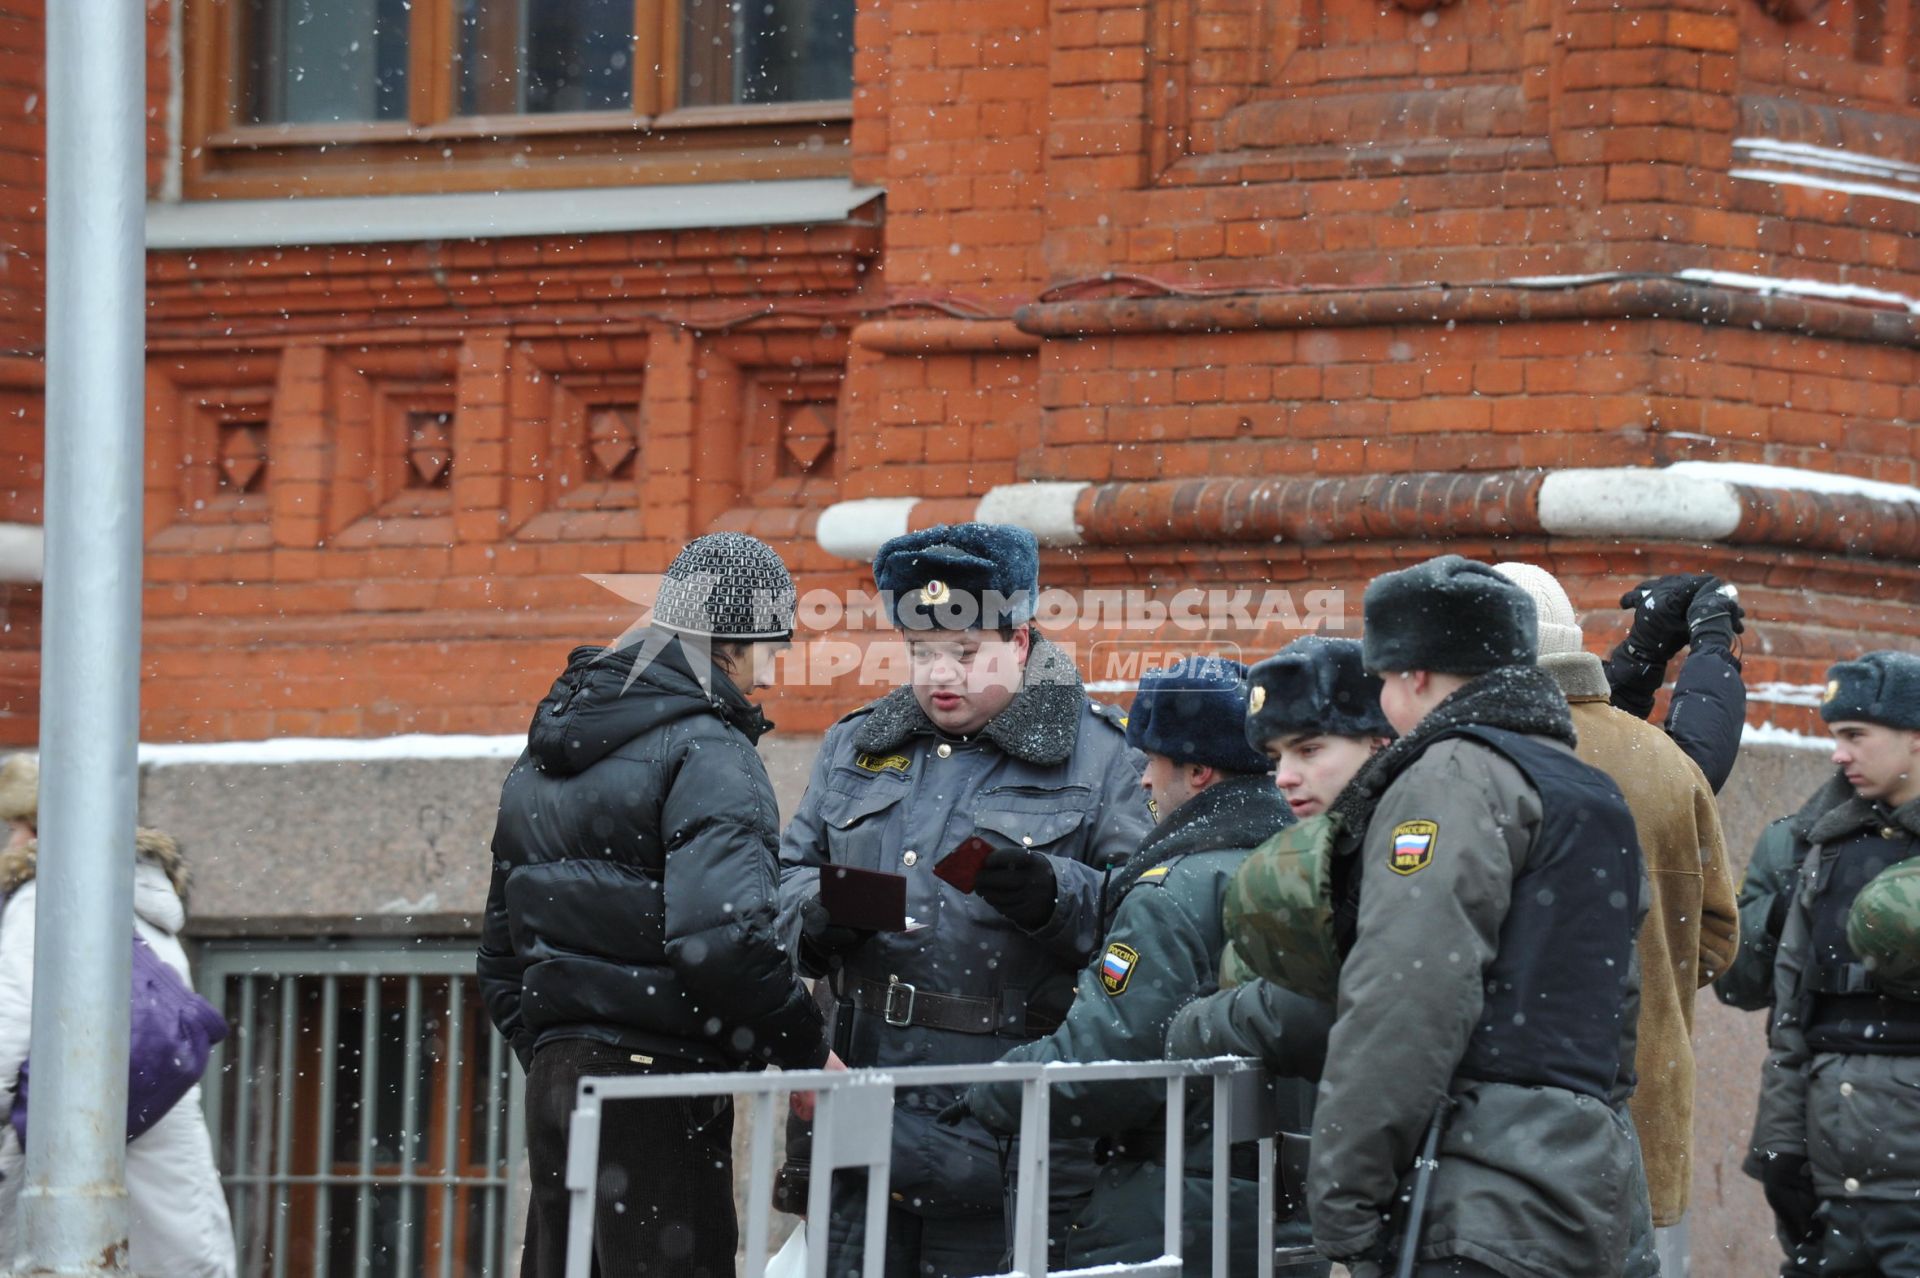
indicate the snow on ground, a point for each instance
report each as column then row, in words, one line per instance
column 332, row 750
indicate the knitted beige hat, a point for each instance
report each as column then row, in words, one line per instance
column 1559, row 624
column 20, row 788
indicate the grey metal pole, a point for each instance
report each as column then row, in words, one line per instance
column 74, row 1203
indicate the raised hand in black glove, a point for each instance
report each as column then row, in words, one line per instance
column 954, row 1112
column 1715, row 616
column 1789, row 1189
column 1018, row 882
column 1660, row 606
column 823, row 942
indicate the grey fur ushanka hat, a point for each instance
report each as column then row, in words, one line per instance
column 1878, row 687
column 1315, row 684
column 1449, row 615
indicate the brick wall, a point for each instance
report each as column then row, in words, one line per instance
column 1121, row 242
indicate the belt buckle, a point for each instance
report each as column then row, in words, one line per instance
column 898, row 1011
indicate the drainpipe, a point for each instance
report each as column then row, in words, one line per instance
column 74, row 1200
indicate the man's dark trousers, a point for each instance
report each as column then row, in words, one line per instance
column 665, row 1189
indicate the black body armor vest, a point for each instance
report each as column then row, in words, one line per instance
column 1564, row 980
column 1846, row 1012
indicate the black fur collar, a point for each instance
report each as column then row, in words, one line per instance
column 1857, row 814
column 1240, row 812
column 1517, row 698
column 1040, row 726
column 1829, row 796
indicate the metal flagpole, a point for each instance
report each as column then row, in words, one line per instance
column 74, row 1203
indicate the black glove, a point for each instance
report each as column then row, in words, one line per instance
column 822, row 941
column 1018, row 882
column 1715, row 616
column 955, row 1113
column 1789, row 1189
column 1660, row 606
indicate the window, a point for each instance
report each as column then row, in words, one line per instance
column 330, row 97
column 365, row 1115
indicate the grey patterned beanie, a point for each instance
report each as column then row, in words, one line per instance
column 728, row 586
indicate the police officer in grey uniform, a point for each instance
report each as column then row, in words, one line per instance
column 1491, row 984
column 1216, row 801
column 994, row 735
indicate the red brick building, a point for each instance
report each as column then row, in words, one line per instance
column 446, row 316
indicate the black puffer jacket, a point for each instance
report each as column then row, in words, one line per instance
column 635, row 878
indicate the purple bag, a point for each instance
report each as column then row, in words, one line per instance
column 173, row 1031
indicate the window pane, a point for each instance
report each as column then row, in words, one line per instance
column 324, row 61
column 535, row 58
column 747, row 51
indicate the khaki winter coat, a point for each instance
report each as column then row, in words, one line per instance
column 1692, row 928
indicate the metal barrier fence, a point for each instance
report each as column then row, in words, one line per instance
column 853, row 1131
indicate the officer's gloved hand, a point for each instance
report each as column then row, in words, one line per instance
column 1715, row 616
column 1018, row 882
column 1789, row 1188
column 823, row 942
column 1660, row 608
column 955, row 1113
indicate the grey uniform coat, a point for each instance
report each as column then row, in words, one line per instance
column 1162, row 949
column 1052, row 771
column 1855, row 1118
column 1533, row 1181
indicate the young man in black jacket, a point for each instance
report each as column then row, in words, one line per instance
column 630, row 926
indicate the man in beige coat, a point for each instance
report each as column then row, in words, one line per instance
column 1692, row 926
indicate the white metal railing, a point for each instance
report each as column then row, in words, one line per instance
column 853, row 1130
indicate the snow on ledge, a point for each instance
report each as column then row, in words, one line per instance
column 282, row 750
column 1754, row 475
column 1772, row 150
column 1785, row 177
column 1786, row 694
column 1765, row 734
column 1823, row 289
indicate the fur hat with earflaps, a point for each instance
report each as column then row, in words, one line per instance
column 20, row 788
column 1315, row 684
column 1449, row 615
column 1877, row 687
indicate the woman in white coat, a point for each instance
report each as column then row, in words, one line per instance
column 180, row 1227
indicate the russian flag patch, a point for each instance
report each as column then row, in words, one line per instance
column 1412, row 846
column 1116, row 967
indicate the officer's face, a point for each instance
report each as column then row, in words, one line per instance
column 1880, row 762
column 963, row 678
column 1312, row 769
column 1170, row 784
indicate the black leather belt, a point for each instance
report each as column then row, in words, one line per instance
column 900, row 1004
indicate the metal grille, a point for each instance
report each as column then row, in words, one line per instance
column 366, row 1117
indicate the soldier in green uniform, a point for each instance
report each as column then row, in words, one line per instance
column 995, row 736
column 1837, row 1140
column 1315, row 712
column 1215, row 800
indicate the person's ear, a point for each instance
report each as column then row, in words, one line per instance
column 1199, row 776
column 1022, row 642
